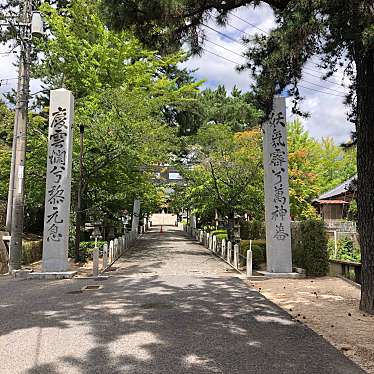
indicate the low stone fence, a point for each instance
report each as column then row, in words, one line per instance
column 224, row 249
column 346, row 269
column 116, row 248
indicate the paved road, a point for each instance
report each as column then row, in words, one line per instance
column 170, row 307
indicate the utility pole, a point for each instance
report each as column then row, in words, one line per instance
column 17, row 183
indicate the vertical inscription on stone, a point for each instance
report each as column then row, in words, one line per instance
column 277, row 206
column 58, row 182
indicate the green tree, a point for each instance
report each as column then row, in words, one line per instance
column 314, row 167
column 341, row 32
column 227, row 173
column 303, row 171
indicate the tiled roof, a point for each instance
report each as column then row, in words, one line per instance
column 338, row 190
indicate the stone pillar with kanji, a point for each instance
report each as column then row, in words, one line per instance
column 277, row 203
column 58, row 182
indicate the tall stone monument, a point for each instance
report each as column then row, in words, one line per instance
column 58, row 182
column 277, row 204
column 135, row 216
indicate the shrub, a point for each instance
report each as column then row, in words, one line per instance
column 252, row 230
column 346, row 250
column 258, row 252
column 31, row 251
column 312, row 248
column 86, row 249
column 220, row 234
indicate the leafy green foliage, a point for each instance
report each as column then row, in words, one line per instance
column 254, row 229
column 314, row 167
column 226, row 175
column 258, row 252
column 220, row 234
column 31, row 251
column 346, row 250
column 121, row 91
column 311, row 248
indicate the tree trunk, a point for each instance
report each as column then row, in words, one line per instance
column 365, row 167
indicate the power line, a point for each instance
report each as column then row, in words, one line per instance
column 317, row 76
column 224, row 58
column 327, row 93
column 249, row 23
column 304, row 72
column 324, row 87
column 227, row 49
column 237, row 63
column 230, row 50
column 223, row 34
column 258, row 28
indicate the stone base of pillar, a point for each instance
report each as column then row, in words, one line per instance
column 267, row 274
column 44, row 275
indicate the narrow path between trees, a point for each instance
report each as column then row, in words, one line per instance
column 170, row 307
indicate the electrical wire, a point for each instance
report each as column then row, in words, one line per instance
column 249, row 23
column 238, row 54
column 227, row 49
column 302, row 86
column 262, row 30
column 224, row 58
column 223, row 34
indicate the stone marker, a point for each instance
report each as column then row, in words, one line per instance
column 249, row 263
column 135, row 216
column 277, row 206
column 95, row 260
column 223, row 248
column 58, row 182
column 105, row 256
column 229, row 249
column 236, row 256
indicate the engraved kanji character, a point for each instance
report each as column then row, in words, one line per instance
column 56, row 195
column 57, row 156
column 280, row 234
column 278, row 157
column 278, row 174
column 53, row 234
column 279, row 212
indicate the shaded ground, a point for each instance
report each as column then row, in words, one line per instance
column 169, row 308
column 330, row 306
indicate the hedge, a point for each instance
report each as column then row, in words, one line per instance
column 252, row 230
column 258, row 251
column 220, row 234
column 310, row 248
column 309, row 244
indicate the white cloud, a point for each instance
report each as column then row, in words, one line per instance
column 324, row 100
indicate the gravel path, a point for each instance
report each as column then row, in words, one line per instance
column 170, row 307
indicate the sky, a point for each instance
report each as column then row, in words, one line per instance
column 328, row 114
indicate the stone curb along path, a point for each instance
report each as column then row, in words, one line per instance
column 170, row 307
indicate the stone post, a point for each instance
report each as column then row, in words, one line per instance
column 95, row 264
column 105, row 256
column 58, row 182
column 249, row 263
column 223, row 248
column 229, row 249
column 277, row 207
column 135, row 216
column 111, row 249
column 236, row 256
column 115, row 246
